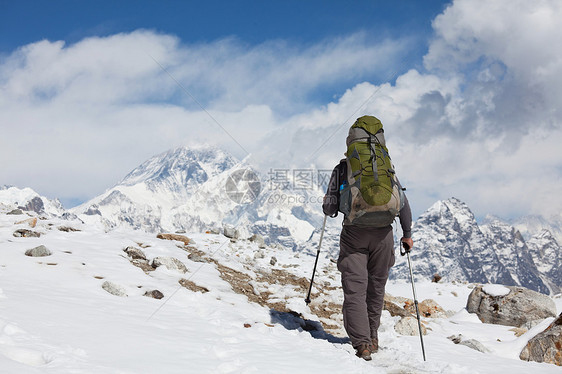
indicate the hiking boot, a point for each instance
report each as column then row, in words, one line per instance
column 374, row 346
column 364, row 351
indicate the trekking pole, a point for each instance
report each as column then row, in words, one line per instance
column 307, row 300
column 407, row 252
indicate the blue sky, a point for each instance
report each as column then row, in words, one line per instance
column 202, row 21
column 300, row 23
column 469, row 91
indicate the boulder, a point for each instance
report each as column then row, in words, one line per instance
column 170, row 263
column 258, row 239
column 32, row 222
column 67, row 229
column 509, row 306
column 195, row 257
column 25, row 233
column 401, row 306
column 15, row 212
column 396, row 305
column 273, row 261
column 546, row 346
column 470, row 343
column 409, row 326
column 259, row 254
column 231, row 232
column 134, row 253
column 114, row 289
column 155, row 294
column 430, row 308
column 40, row 251
column 177, row 237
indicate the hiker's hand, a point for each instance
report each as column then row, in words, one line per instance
column 407, row 244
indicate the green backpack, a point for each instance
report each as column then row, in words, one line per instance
column 371, row 195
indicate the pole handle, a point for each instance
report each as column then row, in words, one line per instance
column 405, row 248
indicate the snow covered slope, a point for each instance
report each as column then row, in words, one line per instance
column 229, row 310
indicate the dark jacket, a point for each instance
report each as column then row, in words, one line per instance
column 331, row 203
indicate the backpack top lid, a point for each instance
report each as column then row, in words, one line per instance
column 365, row 127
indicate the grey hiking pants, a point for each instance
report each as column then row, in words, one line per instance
column 366, row 256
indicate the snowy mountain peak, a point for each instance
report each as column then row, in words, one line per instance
column 450, row 212
column 29, row 200
column 180, row 167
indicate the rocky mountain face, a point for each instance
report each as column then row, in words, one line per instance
column 201, row 189
column 450, row 243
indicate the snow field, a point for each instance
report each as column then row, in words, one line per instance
column 56, row 318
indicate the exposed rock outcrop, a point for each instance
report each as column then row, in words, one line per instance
column 516, row 308
column 546, row 346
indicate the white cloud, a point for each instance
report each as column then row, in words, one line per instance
column 76, row 118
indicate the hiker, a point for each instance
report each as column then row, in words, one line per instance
column 370, row 202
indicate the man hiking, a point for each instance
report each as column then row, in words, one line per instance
column 365, row 188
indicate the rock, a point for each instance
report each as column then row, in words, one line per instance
column 518, row 331
column 470, row 343
column 155, row 294
column 135, row 253
column 430, row 308
column 177, row 237
column 231, row 232
column 40, row 251
column 114, row 289
column 258, row 239
column 142, row 264
column 409, row 326
column 273, row 261
column 24, row 233
column 394, row 305
column 475, row 344
column 401, row 306
column 190, row 285
column 259, row 254
column 516, row 308
column 170, row 263
column 545, row 346
column 455, row 338
column 436, row 278
column 67, row 229
column 32, row 222
column 15, row 212
column 196, row 257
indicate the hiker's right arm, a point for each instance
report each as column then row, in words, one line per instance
column 406, row 223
